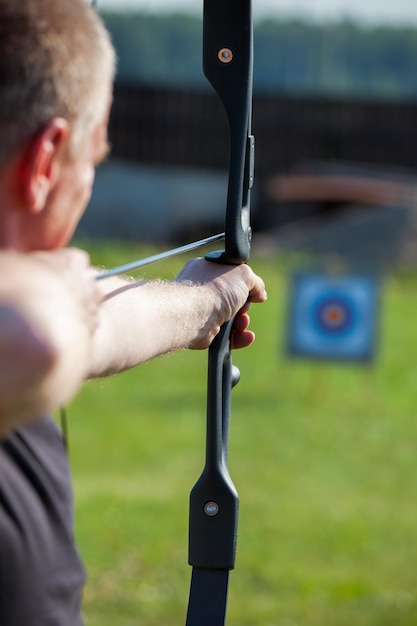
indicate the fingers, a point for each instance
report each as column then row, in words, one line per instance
column 241, row 321
column 257, row 290
column 241, row 336
column 63, row 258
column 72, row 268
column 242, row 340
column 258, row 294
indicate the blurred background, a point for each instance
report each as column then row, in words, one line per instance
column 334, row 117
column 323, row 442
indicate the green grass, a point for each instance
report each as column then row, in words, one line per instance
column 324, row 458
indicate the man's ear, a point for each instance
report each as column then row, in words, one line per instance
column 40, row 163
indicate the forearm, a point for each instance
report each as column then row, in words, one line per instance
column 142, row 320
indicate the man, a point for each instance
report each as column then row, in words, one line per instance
column 58, row 326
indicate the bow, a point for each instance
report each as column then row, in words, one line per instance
column 227, row 64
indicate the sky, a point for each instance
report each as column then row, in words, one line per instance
column 365, row 11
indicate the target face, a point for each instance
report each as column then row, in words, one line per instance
column 333, row 317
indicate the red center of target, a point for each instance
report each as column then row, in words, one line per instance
column 334, row 315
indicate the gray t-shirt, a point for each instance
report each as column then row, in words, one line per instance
column 41, row 574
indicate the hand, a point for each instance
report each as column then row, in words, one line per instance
column 232, row 288
column 72, row 267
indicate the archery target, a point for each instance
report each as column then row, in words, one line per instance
column 333, row 317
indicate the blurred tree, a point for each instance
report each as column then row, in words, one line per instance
column 291, row 56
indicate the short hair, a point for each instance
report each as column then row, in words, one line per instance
column 56, row 59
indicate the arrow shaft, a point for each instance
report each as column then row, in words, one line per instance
column 189, row 247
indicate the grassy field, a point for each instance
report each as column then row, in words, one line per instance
column 324, row 458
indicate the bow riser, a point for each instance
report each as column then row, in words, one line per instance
column 228, row 65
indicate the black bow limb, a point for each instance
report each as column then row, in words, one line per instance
column 214, row 502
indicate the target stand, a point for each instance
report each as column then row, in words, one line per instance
column 333, row 317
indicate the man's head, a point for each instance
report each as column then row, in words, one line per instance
column 56, row 60
column 56, row 73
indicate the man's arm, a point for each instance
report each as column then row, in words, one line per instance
column 141, row 320
column 58, row 326
column 48, row 312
